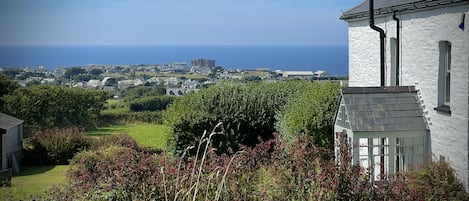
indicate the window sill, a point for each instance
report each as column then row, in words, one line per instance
column 443, row 109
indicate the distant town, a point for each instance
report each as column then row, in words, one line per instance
column 178, row 78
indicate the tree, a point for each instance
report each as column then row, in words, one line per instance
column 33, row 82
column 312, row 113
column 96, row 72
column 74, row 71
column 7, row 85
column 47, row 106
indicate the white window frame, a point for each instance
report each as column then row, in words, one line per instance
column 444, row 74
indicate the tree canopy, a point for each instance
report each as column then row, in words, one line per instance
column 49, row 106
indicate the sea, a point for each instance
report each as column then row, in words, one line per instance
column 332, row 59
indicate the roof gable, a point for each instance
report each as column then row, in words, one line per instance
column 383, row 109
column 389, row 6
column 7, row 121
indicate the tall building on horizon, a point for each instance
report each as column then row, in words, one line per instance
column 203, row 63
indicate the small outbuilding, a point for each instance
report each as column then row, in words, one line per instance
column 11, row 132
column 386, row 127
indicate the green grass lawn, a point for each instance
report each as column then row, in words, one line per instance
column 33, row 181
column 145, row 134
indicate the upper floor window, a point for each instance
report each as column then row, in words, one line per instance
column 394, row 64
column 444, row 77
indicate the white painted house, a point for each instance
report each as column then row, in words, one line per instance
column 426, row 47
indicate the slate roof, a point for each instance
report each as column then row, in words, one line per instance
column 383, row 109
column 389, row 6
column 7, row 121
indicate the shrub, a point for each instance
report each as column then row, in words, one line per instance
column 122, row 139
column 124, row 117
column 142, row 91
column 112, row 173
column 152, row 103
column 47, row 106
column 247, row 110
column 435, row 181
column 267, row 171
column 54, row 146
column 312, row 113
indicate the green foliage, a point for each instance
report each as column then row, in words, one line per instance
column 151, row 103
column 246, row 110
column 312, row 113
column 96, row 72
column 435, row 181
column 33, row 83
column 113, row 173
column 110, row 117
column 7, row 85
column 58, row 146
column 73, row 72
column 267, row 171
column 54, row 106
column 54, row 146
column 142, row 91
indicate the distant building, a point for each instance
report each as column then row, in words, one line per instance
column 295, row 74
column 203, row 63
column 180, row 67
column 201, row 70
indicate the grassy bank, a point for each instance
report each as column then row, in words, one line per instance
column 150, row 135
column 33, row 181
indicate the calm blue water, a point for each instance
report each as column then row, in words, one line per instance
column 333, row 59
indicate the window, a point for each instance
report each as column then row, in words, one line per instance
column 394, row 64
column 408, row 152
column 444, row 77
column 342, row 119
column 382, row 156
column 374, row 156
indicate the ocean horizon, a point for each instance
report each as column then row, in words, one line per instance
column 332, row 59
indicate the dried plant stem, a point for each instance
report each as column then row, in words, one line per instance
column 164, row 184
column 176, row 193
column 197, row 156
column 222, row 183
column 203, row 159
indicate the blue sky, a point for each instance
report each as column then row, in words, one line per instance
column 173, row 22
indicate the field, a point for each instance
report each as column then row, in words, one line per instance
column 150, row 135
column 33, row 181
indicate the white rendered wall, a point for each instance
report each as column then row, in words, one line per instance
column 420, row 33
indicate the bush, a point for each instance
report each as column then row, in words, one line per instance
column 59, row 146
column 152, row 103
column 142, row 91
column 246, row 110
column 312, row 113
column 435, row 181
column 48, row 106
column 54, row 146
column 267, row 171
column 122, row 139
column 108, row 118
column 112, row 173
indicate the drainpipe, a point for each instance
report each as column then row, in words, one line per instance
column 381, row 39
column 398, row 46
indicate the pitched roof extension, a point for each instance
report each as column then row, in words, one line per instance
column 383, row 109
column 7, row 121
column 389, row 6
